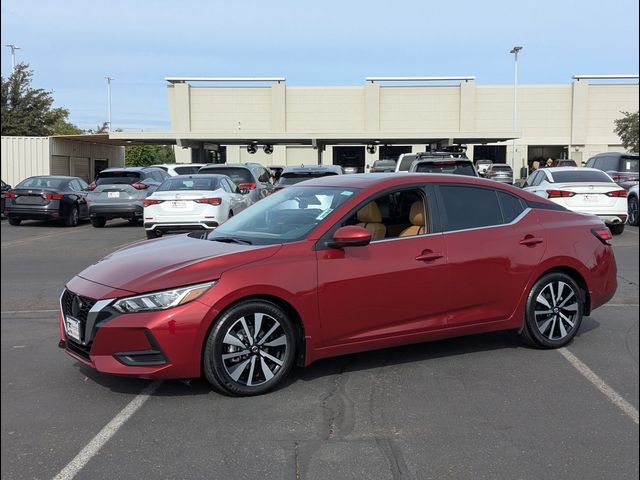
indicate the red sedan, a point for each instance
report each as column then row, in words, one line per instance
column 338, row 265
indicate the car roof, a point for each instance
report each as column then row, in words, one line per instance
column 500, row 165
column 178, row 164
column 128, row 169
column 571, row 169
column 60, row 177
column 234, row 165
column 617, row 154
column 312, row 168
column 199, row 175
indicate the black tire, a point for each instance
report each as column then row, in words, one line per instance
column 633, row 211
column 98, row 222
column 616, row 229
column 15, row 221
column 152, row 234
column 559, row 311
column 73, row 217
column 134, row 220
column 258, row 361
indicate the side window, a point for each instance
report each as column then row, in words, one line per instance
column 531, row 179
column 511, row 206
column 264, row 176
column 402, row 213
column 610, row 164
column 83, row 184
column 540, row 177
column 225, row 185
column 590, row 163
column 469, row 207
column 597, row 163
column 74, row 185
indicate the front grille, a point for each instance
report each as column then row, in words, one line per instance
column 78, row 307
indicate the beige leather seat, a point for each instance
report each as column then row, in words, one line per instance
column 370, row 218
column 417, row 219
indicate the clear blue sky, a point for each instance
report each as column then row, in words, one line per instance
column 71, row 45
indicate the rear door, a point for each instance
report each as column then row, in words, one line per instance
column 493, row 242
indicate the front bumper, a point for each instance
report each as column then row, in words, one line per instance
column 163, row 344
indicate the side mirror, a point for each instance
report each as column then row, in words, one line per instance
column 350, row 236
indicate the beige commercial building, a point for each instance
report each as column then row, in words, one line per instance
column 77, row 155
column 217, row 118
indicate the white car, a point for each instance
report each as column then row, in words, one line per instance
column 192, row 202
column 585, row 190
column 174, row 169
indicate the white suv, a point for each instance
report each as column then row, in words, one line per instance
column 174, row 169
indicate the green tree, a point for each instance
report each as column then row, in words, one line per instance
column 143, row 155
column 29, row 111
column 627, row 130
column 62, row 127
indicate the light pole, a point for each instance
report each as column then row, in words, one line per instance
column 13, row 56
column 109, row 99
column 515, row 51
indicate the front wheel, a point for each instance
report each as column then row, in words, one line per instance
column 250, row 349
column 633, row 211
column 15, row 221
column 554, row 311
column 617, row 228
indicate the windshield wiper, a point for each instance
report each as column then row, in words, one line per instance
column 230, row 240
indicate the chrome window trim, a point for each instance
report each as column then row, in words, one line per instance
column 513, row 222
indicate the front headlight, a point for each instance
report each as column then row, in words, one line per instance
column 161, row 300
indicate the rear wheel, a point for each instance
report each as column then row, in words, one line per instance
column 15, row 221
column 554, row 311
column 99, row 222
column 250, row 349
column 633, row 211
column 152, row 234
column 133, row 220
column 617, row 229
column 73, row 217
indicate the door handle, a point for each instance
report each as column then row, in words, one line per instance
column 429, row 256
column 530, row 241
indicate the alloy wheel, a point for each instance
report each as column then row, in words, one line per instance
column 556, row 310
column 254, row 349
column 633, row 211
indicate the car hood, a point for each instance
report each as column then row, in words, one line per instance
column 165, row 263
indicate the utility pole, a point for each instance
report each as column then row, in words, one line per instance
column 109, row 99
column 515, row 51
column 13, row 55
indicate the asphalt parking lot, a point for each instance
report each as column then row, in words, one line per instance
column 480, row 407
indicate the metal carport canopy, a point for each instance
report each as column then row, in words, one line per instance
column 195, row 139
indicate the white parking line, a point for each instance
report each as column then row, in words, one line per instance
column 628, row 409
column 110, row 429
column 13, row 312
column 39, row 237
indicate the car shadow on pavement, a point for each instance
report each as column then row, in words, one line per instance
column 373, row 360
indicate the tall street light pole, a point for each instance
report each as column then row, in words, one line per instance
column 515, row 51
column 13, row 56
column 109, row 99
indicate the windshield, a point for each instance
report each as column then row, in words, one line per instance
column 286, row 216
column 41, row 182
column 237, row 175
column 189, row 170
column 292, row 178
column 384, row 163
column 581, row 176
column 406, row 162
column 454, row 167
column 501, row 168
column 113, row 178
column 176, row 183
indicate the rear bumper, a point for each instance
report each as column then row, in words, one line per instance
column 175, row 226
column 115, row 211
column 31, row 213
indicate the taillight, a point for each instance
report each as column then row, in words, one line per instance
column 91, row 186
column 603, row 234
column 151, row 201
column 247, row 186
column 211, row 201
column 617, row 194
column 52, row 196
column 139, row 186
column 559, row 194
column 10, row 195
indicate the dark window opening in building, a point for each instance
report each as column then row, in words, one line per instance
column 218, row 156
column 392, row 152
column 351, row 159
column 539, row 154
column 495, row 153
column 99, row 165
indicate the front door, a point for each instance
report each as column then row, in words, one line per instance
column 393, row 286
